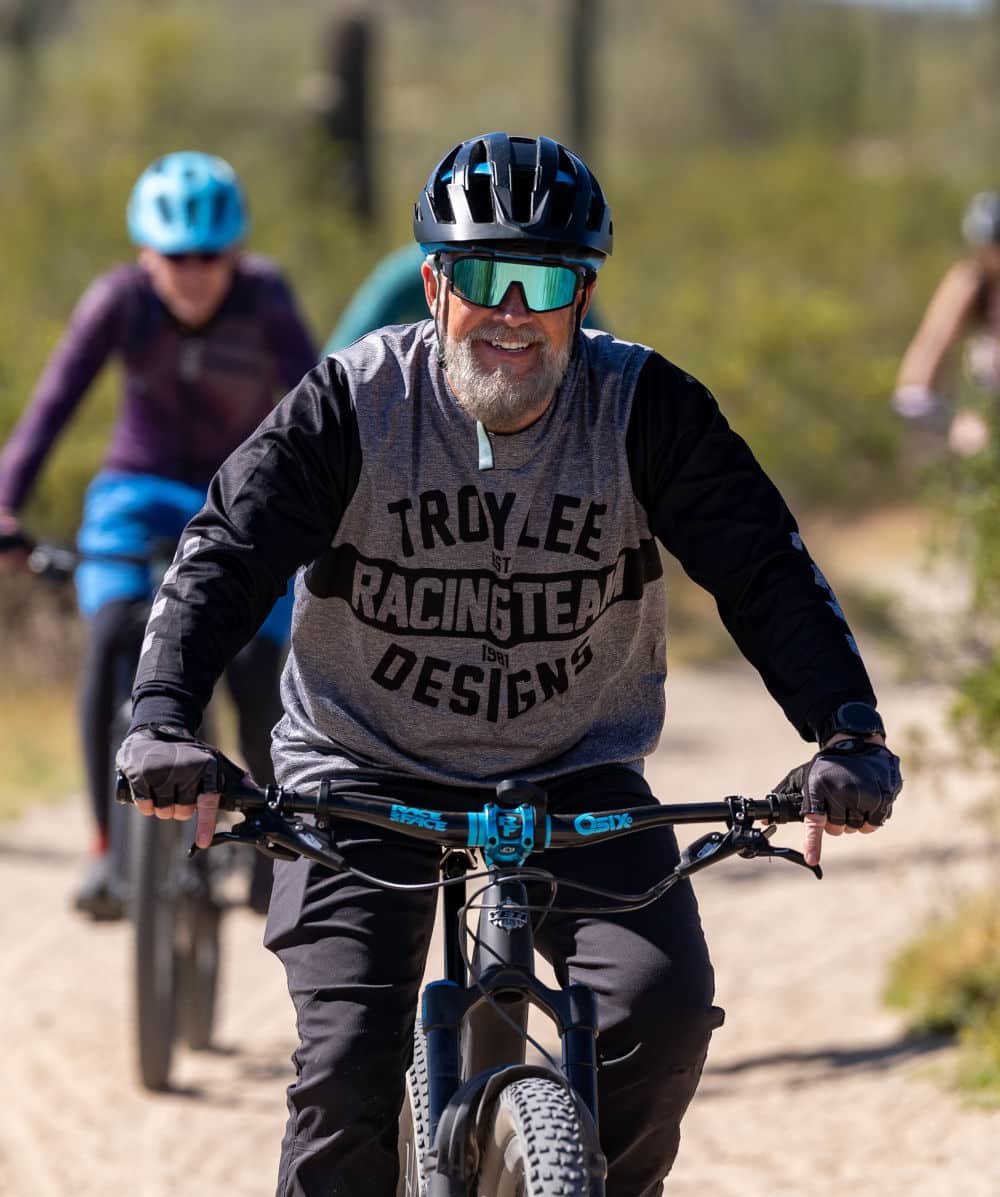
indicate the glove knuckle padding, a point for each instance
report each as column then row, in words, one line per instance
column 172, row 769
column 852, row 782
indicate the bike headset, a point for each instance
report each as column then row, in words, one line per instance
column 187, row 202
column 517, row 199
column 981, row 222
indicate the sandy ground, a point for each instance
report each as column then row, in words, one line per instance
column 811, row 1086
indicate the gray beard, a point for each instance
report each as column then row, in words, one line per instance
column 500, row 399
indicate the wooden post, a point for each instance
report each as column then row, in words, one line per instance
column 347, row 116
column 581, row 73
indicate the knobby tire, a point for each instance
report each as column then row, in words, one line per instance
column 200, row 953
column 536, row 1144
column 414, row 1124
column 154, row 849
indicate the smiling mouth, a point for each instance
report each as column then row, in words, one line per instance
column 507, row 344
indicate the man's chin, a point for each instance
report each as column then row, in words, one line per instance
column 193, row 314
column 503, row 397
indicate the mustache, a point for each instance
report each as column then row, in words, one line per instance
column 519, row 337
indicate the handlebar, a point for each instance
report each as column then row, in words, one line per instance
column 57, row 563
column 518, row 808
column 506, row 831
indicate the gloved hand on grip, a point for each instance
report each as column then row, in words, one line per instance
column 850, row 785
column 171, row 774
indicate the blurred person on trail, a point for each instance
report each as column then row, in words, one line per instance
column 209, row 337
column 964, row 309
column 471, row 507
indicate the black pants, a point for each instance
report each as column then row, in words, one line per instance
column 113, row 646
column 354, row 956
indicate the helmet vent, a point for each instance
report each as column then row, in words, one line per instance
column 561, row 205
column 480, row 188
column 597, row 208
column 220, row 202
column 522, row 194
column 163, row 208
column 480, row 198
column 439, row 199
column 191, row 212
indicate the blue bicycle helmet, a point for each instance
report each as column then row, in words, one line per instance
column 515, row 193
column 187, row 202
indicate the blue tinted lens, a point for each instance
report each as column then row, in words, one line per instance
column 485, row 281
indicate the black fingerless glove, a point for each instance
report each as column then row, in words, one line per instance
column 168, row 766
column 852, row 782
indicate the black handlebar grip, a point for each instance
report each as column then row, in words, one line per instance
column 123, row 791
column 789, row 805
column 15, row 540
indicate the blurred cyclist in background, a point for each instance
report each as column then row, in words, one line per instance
column 209, row 337
column 964, row 308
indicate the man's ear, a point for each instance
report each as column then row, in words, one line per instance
column 431, row 282
column 588, row 294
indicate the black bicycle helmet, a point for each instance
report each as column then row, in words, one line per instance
column 981, row 222
column 494, row 189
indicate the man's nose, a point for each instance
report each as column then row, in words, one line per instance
column 514, row 303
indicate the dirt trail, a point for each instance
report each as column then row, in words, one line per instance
column 810, row 1085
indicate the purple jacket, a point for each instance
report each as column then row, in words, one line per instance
column 190, row 396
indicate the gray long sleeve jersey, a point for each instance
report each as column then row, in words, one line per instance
column 465, row 610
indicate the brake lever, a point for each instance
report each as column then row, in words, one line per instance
column 267, row 843
column 705, row 850
column 741, row 840
column 755, row 842
column 280, row 838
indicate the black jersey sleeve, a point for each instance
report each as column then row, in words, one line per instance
column 712, row 506
column 274, row 505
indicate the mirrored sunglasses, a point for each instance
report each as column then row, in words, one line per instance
column 485, row 280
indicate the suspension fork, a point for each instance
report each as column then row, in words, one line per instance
column 466, row 1036
column 504, row 940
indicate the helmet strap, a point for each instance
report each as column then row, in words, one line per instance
column 440, row 310
column 578, row 317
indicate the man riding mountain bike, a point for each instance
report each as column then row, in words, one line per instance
column 209, row 337
column 471, row 505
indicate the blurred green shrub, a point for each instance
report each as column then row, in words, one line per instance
column 950, row 976
column 948, row 981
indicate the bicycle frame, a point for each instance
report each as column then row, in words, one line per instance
column 475, row 1028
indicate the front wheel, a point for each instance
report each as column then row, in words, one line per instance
column 154, row 849
column 535, row 1147
column 414, row 1123
column 199, row 968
